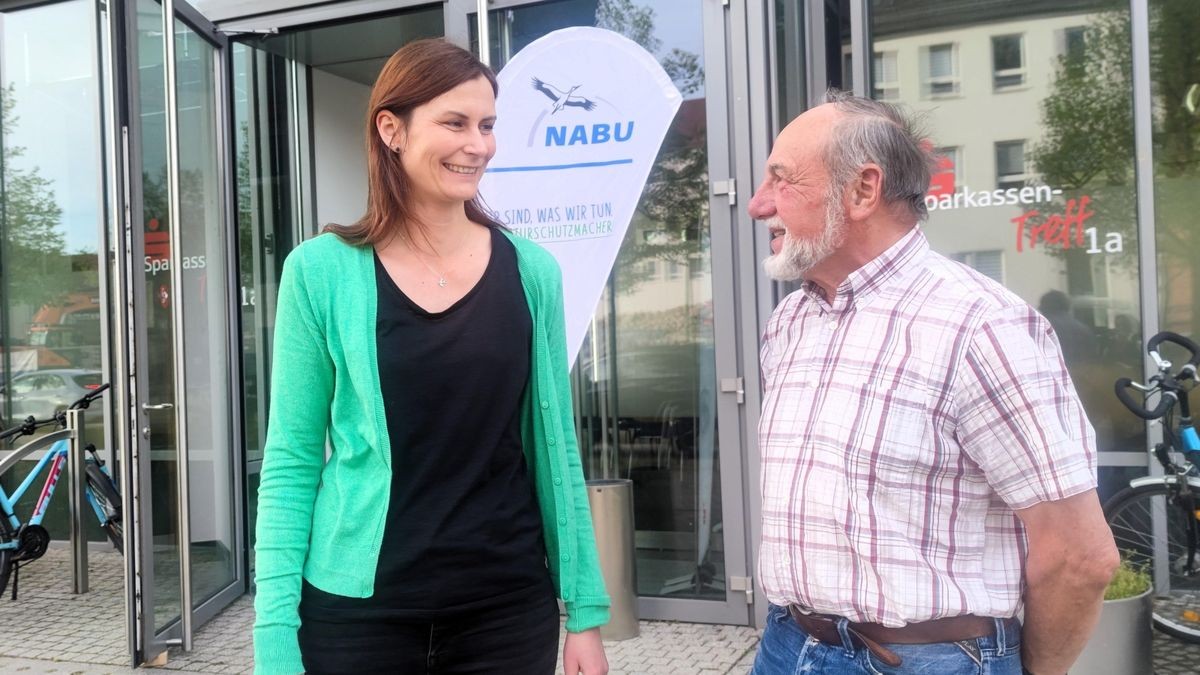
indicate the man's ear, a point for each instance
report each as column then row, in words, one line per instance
column 865, row 193
column 391, row 130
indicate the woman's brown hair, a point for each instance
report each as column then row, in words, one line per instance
column 416, row 74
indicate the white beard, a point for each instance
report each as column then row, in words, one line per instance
column 797, row 256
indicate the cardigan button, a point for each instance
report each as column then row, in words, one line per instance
column 557, row 480
column 545, row 405
column 566, row 558
column 551, row 441
column 562, row 521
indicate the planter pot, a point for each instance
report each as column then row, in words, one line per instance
column 1122, row 640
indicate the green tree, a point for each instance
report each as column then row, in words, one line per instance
column 674, row 203
column 1175, row 73
column 1090, row 101
column 1088, row 143
column 33, row 261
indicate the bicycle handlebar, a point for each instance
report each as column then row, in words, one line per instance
column 30, row 424
column 1164, row 403
column 1175, row 338
column 87, row 399
column 25, row 428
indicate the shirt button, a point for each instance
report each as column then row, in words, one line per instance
column 562, row 521
column 545, row 405
column 557, row 480
column 565, row 557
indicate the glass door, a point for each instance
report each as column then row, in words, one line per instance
column 187, row 557
column 655, row 383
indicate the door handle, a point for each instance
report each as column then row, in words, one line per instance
column 157, row 406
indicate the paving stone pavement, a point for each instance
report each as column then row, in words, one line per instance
column 50, row 631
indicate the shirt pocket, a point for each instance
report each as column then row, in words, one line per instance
column 892, row 451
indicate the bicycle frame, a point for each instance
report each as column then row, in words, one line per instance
column 55, row 458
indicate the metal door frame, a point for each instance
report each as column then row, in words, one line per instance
column 131, row 354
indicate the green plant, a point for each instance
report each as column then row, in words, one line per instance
column 1130, row 580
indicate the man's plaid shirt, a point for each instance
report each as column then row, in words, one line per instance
column 902, row 424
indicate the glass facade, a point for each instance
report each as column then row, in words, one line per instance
column 1029, row 105
column 52, row 220
column 1175, row 82
column 1032, row 107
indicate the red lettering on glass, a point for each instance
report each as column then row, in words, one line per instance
column 1057, row 229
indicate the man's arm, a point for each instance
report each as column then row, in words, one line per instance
column 1071, row 559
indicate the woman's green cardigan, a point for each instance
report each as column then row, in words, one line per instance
column 323, row 520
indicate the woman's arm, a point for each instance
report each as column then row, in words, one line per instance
column 301, row 389
column 588, row 608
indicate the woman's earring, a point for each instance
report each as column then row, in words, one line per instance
column 396, row 149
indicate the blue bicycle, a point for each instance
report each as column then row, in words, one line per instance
column 1156, row 520
column 23, row 542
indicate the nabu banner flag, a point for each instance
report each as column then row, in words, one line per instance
column 580, row 118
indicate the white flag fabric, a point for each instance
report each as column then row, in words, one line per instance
column 581, row 115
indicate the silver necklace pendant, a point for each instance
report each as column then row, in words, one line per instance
column 442, row 282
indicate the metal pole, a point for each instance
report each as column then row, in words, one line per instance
column 485, row 39
column 6, row 357
column 76, row 460
column 177, row 329
column 860, row 32
column 1143, row 138
column 119, row 430
column 818, row 73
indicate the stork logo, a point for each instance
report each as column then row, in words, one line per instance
column 578, row 134
column 562, row 98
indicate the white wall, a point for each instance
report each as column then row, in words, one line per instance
column 340, row 172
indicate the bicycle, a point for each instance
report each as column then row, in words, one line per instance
column 1156, row 520
column 23, row 543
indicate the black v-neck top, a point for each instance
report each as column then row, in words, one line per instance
column 463, row 528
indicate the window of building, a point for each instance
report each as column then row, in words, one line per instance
column 1073, row 42
column 1008, row 62
column 885, row 77
column 947, row 172
column 949, row 160
column 941, row 71
column 988, row 263
column 1010, row 164
column 673, row 270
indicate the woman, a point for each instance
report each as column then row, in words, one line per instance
column 426, row 343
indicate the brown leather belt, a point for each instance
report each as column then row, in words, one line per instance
column 873, row 636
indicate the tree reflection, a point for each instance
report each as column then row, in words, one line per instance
column 35, row 263
column 1088, row 144
column 1175, row 73
column 673, row 208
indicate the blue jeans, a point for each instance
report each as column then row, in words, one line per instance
column 785, row 649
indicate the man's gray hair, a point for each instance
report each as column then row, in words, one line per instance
column 879, row 133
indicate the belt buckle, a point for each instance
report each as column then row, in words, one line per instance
column 890, row 658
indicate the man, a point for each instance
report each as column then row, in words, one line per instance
column 927, row 469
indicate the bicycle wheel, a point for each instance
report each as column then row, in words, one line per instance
column 1133, row 514
column 110, row 502
column 6, row 555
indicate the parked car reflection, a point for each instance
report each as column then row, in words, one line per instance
column 42, row 393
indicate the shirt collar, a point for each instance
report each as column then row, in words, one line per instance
column 874, row 275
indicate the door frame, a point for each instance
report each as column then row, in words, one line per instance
column 131, row 354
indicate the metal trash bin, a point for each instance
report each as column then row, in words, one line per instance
column 611, row 501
